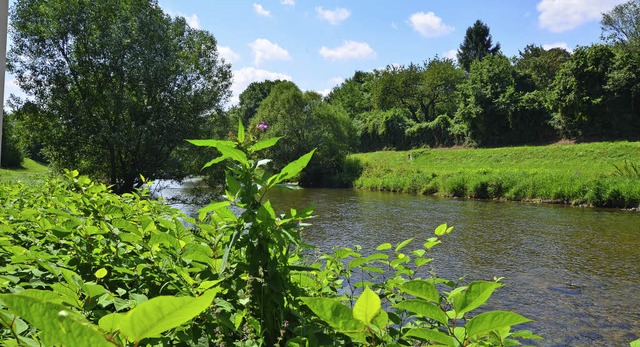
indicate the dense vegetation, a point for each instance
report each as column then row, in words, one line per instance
column 114, row 87
column 484, row 99
column 84, row 266
column 603, row 174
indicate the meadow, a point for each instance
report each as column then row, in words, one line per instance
column 602, row 174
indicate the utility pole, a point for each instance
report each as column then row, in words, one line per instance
column 4, row 17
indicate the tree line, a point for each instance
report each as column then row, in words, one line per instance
column 116, row 93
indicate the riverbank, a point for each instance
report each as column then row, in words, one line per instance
column 603, row 174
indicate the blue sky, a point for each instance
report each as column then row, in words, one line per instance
column 318, row 44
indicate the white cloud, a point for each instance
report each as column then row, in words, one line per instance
column 325, row 92
column 562, row 45
column 336, row 80
column 394, row 26
column 193, row 21
column 429, row 25
column 288, row 2
column 259, row 10
column 563, row 15
column 228, row 54
column 451, row 54
column 348, row 50
column 247, row 75
column 333, row 16
column 264, row 49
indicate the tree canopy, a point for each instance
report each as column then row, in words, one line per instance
column 118, row 83
column 621, row 25
column 476, row 45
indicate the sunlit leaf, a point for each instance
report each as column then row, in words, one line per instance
column 493, row 320
column 58, row 325
column 367, row 306
column 421, row 289
column 424, row 308
column 477, row 293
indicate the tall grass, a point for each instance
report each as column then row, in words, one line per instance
column 580, row 174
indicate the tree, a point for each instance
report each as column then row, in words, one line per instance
column 354, row 94
column 118, row 83
column 485, row 122
column 251, row 98
column 581, row 102
column 307, row 123
column 476, row 45
column 541, row 65
column 621, row 25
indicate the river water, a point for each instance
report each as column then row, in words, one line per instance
column 575, row 271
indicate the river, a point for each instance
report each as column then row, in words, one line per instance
column 574, row 271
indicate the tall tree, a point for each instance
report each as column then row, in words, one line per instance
column 621, row 25
column 582, row 103
column 541, row 65
column 354, row 94
column 476, row 45
column 251, row 98
column 119, row 84
column 306, row 122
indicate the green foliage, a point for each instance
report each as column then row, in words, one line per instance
column 580, row 100
column 582, row 174
column 252, row 97
column 308, row 123
column 86, row 267
column 482, row 95
column 476, row 45
column 620, row 25
column 117, row 85
column 398, row 308
column 12, row 156
column 354, row 94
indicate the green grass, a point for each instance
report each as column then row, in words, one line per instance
column 31, row 171
column 583, row 174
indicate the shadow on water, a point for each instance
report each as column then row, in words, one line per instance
column 575, row 271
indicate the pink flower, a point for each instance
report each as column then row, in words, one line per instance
column 262, row 126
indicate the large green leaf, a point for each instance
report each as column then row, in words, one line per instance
column 477, row 293
column 635, row 343
column 367, row 306
column 58, row 325
column 424, row 308
column 334, row 313
column 270, row 142
column 421, row 289
column 212, row 143
column 430, row 335
column 292, row 169
column 493, row 320
column 155, row 316
column 240, row 131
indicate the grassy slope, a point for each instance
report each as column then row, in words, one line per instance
column 578, row 174
column 30, row 171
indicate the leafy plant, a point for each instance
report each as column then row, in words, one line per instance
column 84, row 266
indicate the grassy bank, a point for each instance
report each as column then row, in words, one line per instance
column 30, row 171
column 595, row 174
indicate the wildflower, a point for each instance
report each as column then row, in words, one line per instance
column 262, row 126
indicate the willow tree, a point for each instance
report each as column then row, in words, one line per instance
column 119, row 83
